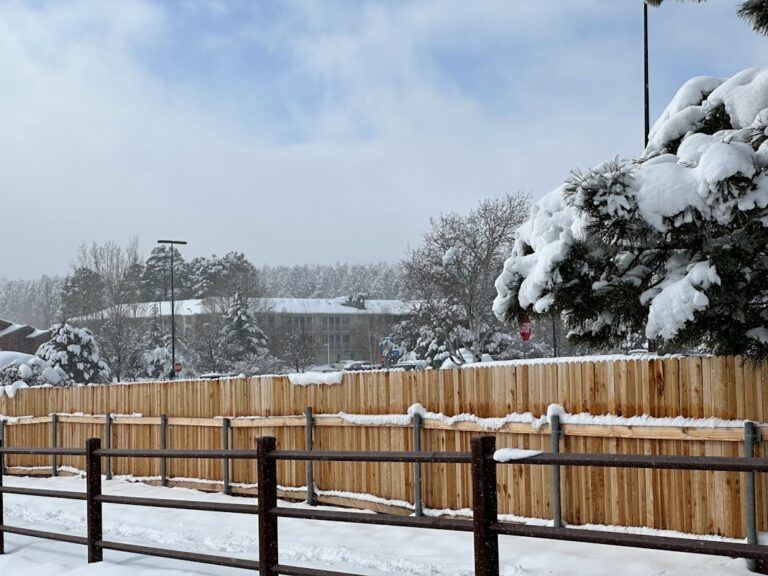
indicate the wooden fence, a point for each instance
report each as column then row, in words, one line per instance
column 698, row 387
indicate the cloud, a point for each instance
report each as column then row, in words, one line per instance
column 296, row 131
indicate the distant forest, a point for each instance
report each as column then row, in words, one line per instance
column 41, row 301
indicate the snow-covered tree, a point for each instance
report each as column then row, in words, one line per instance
column 30, row 371
column 156, row 275
column 298, row 348
column 243, row 340
column 673, row 245
column 451, row 275
column 157, row 357
column 75, row 351
column 82, row 293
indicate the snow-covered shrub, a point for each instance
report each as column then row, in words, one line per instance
column 27, row 371
column 673, row 245
column 159, row 363
column 75, row 352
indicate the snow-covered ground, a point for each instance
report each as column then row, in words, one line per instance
column 360, row 549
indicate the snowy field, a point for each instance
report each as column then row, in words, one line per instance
column 374, row 550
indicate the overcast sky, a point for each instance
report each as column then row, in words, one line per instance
column 318, row 131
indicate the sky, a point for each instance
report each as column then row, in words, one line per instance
column 318, row 131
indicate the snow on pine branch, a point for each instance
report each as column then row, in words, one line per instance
column 660, row 245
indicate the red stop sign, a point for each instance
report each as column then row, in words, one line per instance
column 177, row 366
column 525, row 329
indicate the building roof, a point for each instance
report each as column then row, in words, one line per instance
column 330, row 306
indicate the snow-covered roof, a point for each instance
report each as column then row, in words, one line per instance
column 12, row 327
column 334, row 306
column 331, row 306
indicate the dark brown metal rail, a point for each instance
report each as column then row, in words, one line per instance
column 484, row 525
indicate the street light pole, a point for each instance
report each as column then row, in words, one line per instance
column 173, row 306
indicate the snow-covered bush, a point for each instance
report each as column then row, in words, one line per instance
column 673, row 245
column 159, row 363
column 75, row 352
column 24, row 371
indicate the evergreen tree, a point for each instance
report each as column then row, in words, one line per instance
column 243, row 340
column 156, row 277
column 157, row 357
column 82, row 293
column 671, row 246
column 75, row 351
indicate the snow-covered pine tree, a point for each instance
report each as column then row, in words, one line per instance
column 157, row 356
column 82, row 293
column 243, row 340
column 673, row 245
column 76, row 352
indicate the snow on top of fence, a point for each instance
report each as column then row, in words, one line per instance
column 84, row 415
column 576, row 360
column 510, row 454
column 309, row 378
column 582, row 418
column 13, row 419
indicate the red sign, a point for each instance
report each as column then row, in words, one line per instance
column 525, row 329
column 177, row 366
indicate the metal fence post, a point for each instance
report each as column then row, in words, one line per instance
column 310, row 429
column 418, row 506
column 555, row 430
column 225, row 462
column 163, row 446
column 108, row 442
column 267, row 479
column 92, row 490
column 751, row 436
column 2, row 464
column 2, row 439
column 484, row 506
column 54, row 439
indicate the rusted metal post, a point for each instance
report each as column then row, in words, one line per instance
column 554, row 424
column 484, row 506
column 418, row 506
column 267, row 479
column 93, row 506
column 310, row 428
column 751, row 436
column 2, row 465
column 163, row 446
column 108, row 442
column 54, row 438
column 226, row 489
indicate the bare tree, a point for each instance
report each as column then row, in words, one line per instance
column 451, row 275
column 119, row 269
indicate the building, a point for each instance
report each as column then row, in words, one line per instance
column 338, row 328
column 21, row 338
column 342, row 328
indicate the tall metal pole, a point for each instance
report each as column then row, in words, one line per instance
column 645, row 72
column 173, row 325
column 173, row 306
